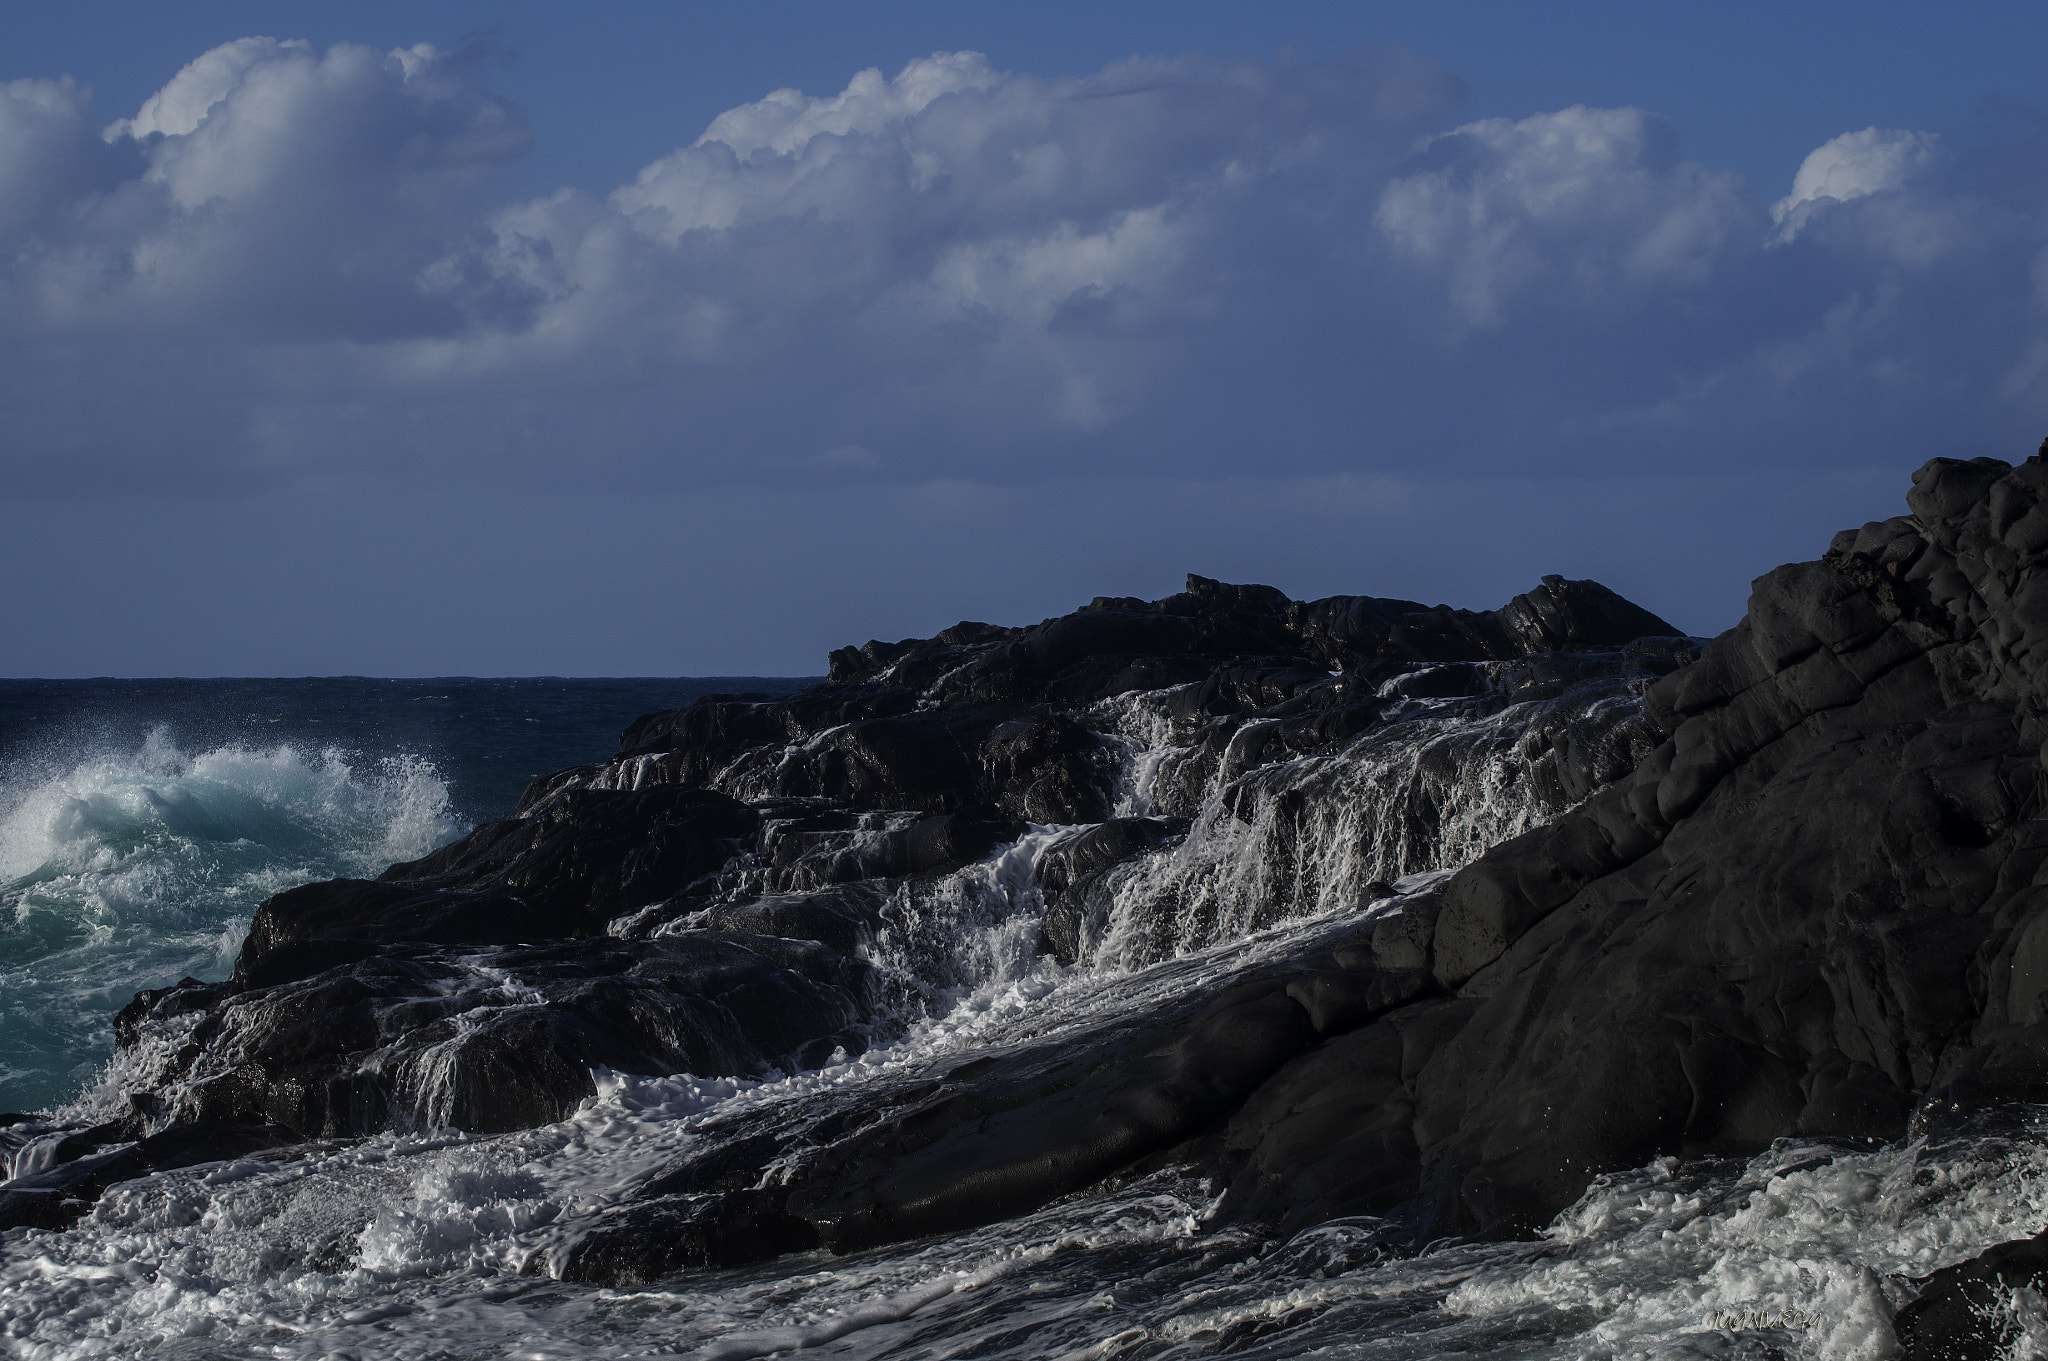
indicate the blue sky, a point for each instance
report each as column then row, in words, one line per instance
column 513, row 339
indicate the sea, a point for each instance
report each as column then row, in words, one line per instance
column 142, row 821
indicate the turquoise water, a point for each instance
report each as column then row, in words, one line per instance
column 141, row 822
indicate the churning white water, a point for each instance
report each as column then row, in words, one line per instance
column 123, row 869
column 445, row 1246
column 439, row 1247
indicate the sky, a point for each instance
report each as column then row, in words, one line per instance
column 702, row 338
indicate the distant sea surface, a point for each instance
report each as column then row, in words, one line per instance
column 142, row 821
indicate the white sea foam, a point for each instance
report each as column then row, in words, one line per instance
column 972, row 930
column 418, row 1247
column 436, row 1245
column 1812, row 1245
column 421, row 1247
column 1139, row 722
column 129, row 869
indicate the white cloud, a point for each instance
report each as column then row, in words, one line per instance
column 181, row 106
column 271, row 190
column 787, row 121
column 1887, row 193
column 1595, row 202
column 1856, row 165
column 300, row 264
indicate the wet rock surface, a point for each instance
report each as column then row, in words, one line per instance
column 1965, row 1312
column 493, row 1039
column 69, row 1171
column 1808, row 910
column 708, row 900
column 1791, row 883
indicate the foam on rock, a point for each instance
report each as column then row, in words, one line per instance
column 1798, row 891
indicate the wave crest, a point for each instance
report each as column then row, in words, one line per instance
column 123, row 869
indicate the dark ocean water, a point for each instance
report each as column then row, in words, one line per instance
column 142, row 821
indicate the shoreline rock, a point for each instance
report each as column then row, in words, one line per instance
column 1801, row 892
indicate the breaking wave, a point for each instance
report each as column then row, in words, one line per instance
column 128, row 869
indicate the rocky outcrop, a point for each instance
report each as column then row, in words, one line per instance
column 1971, row 1311
column 1118, row 644
column 1812, row 909
column 760, row 884
column 1792, row 882
column 1807, row 911
column 1796, row 888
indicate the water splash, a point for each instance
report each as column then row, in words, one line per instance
column 974, row 930
column 128, row 869
column 1330, row 832
column 414, row 1247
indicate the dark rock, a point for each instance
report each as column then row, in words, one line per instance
column 155, row 1004
column 1402, row 938
column 54, row 1198
column 702, row 902
column 589, row 854
column 990, row 1138
column 563, row 871
column 1965, row 1312
column 362, row 1047
column 946, row 841
column 1333, row 1132
column 1119, row 644
column 646, row 1242
column 1345, row 1000
column 1068, row 870
column 844, row 920
column 1806, row 908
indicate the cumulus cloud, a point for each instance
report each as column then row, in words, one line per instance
column 1856, row 165
column 293, row 265
column 1590, row 204
column 1912, row 206
column 272, row 191
column 181, row 106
